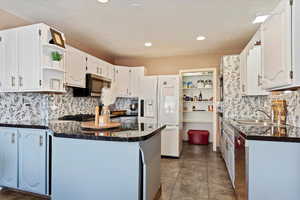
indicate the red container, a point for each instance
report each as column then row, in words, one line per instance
column 198, row 137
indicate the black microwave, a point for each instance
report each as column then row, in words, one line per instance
column 94, row 85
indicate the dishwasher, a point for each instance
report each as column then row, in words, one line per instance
column 241, row 167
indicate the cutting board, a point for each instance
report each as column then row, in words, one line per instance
column 91, row 125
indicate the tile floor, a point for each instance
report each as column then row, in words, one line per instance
column 200, row 174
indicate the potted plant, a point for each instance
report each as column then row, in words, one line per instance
column 56, row 58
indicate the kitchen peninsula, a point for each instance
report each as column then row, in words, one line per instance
column 85, row 164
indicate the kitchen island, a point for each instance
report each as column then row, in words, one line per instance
column 63, row 161
column 122, row 163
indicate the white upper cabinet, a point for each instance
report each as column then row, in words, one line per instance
column 276, row 39
column 127, row 81
column 122, row 86
column 27, row 64
column 96, row 66
column 251, row 67
column 8, row 62
column 29, row 44
column 76, row 64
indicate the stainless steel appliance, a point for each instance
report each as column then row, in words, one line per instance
column 241, row 167
column 94, row 85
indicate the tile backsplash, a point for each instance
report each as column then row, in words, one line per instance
column 237, row 106
column 37, row 107
column 66, row 104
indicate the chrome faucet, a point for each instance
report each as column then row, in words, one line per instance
column 264, row 112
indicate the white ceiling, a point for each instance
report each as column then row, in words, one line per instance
column 171, row 25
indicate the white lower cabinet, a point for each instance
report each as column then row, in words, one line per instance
column 8, row 157
column 228, row 151
column 32, row 160
column 23, row 158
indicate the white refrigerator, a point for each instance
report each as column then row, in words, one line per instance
column 160, row 103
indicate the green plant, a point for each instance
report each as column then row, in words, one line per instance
column 56, row 56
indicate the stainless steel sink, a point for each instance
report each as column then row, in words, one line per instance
column 255, row 122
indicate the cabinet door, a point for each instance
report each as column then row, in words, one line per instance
column 8, row 60
column 111, row 72
column 276, row 40
column 122, row 81
column 75, row 67
column 136, row 75
column 8, row 157
column 253, row 72
column 32, row 160
column 92, row 65
column 29, row 54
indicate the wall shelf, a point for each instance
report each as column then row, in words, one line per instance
column 54, row 69
column 197, row 121
column 55, row 47
column 196, row 88
column 196, row 111
column 198, row 101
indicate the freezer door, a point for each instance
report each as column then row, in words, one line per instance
column 148, row 100
column 171, row 141
column 168, row 110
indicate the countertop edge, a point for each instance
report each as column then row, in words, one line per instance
column 108, row 138
column 263, row 138
column 23, row 126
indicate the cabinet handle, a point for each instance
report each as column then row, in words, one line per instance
column 41, row 140
column 13, row 138
column 100, row 70
column 20, row 81
column 13, row 81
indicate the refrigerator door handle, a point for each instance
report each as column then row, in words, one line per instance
column 142, row 107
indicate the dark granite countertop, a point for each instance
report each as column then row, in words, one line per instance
column 25, row 124
column 267, row 133
column 128, row 132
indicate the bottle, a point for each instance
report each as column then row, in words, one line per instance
column 200, row 96
column 105, row 116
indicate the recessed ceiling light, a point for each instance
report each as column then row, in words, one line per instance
column 260, row 19
column 200, row 37
column 148, row 44
column 103, row 1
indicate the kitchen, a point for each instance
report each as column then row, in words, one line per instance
column 85, row 110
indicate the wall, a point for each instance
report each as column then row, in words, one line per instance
column 10, row 21
column 238, row 107
column 172, row 65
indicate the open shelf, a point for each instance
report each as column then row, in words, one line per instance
column 55, row 47
column 209, row 101
column 197, row 88
column 196, row 111
column 54, row 69
column 197, row 121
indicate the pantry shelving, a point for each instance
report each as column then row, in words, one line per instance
column 198, row 100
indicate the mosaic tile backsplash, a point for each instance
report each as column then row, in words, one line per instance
column 37, row 107
column 237, row 106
